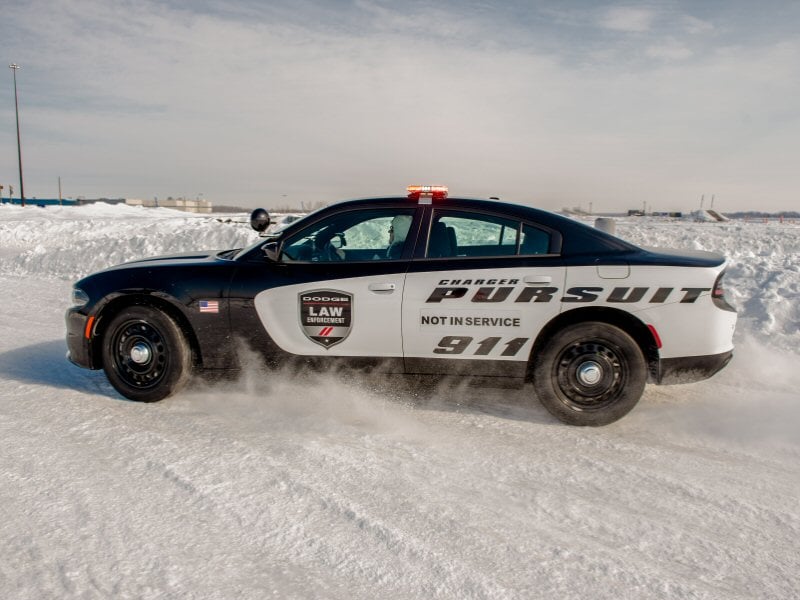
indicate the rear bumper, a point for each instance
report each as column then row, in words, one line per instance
column 688, row 369
column 79, row 350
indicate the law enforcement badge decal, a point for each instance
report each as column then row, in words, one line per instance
column 326, row 316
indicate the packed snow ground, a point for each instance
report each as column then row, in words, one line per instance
column 329, row 487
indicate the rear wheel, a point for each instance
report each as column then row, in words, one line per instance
column 145, row 355
column 590, row 374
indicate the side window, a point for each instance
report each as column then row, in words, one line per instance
column 377, row 234
column 472, row 234
column 457, row 233
column 534, row 241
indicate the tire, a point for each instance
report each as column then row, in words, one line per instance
column 590, row 374
column 145, row 355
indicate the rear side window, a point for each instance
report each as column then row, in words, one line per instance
column 456, row 233
column 534, row 241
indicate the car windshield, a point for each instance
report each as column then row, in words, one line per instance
column 258, row 242
column 275, row 231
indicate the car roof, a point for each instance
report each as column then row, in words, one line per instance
column 483, row 204
column 579, row 237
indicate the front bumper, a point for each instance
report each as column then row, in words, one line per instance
column 79, row 348
column 688, row 369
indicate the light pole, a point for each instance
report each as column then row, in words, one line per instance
column 14, row 67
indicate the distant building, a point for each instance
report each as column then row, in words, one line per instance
column 708, row 216
column 184, row 204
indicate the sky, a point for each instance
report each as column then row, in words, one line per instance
column 602, row 106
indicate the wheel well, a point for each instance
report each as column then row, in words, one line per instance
column 619, row 318
column 117, row 305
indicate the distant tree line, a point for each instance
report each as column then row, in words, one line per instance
column 223, row 208
column 304, row 207
column 756, row 214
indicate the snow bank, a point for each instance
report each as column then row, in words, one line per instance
column 763, row 277
column 70, row 242
column 321, row 486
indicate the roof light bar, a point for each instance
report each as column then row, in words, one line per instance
column 437, row 192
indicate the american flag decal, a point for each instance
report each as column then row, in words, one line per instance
column 209, row 306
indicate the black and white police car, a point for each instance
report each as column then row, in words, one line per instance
column 418, row 285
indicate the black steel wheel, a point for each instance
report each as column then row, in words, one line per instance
column 145, row 355
column 590, row 374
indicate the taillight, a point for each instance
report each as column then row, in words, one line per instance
column 718, row 294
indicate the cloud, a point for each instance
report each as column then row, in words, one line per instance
column 259, row 101
column 693, row 25
column 627, row 19
column 669, row 50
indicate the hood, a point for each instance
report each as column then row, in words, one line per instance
column 179, row 258
column 183, row 259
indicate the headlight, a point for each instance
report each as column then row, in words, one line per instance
column 79, row 297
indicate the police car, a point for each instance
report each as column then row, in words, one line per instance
column 421, row 284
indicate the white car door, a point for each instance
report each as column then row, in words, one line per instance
column 476, row 302
column 340, row 287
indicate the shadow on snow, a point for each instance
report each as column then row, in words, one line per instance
column 46, row 364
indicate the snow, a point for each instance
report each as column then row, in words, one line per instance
column 328, row 486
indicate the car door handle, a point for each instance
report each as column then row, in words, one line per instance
column 537, row 279
column 382, row 287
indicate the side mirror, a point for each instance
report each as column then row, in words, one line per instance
column 259, row 220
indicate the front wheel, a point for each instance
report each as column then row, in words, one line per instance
column 590, row 374
column 145, row 355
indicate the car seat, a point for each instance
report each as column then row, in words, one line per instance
column 443, row 241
